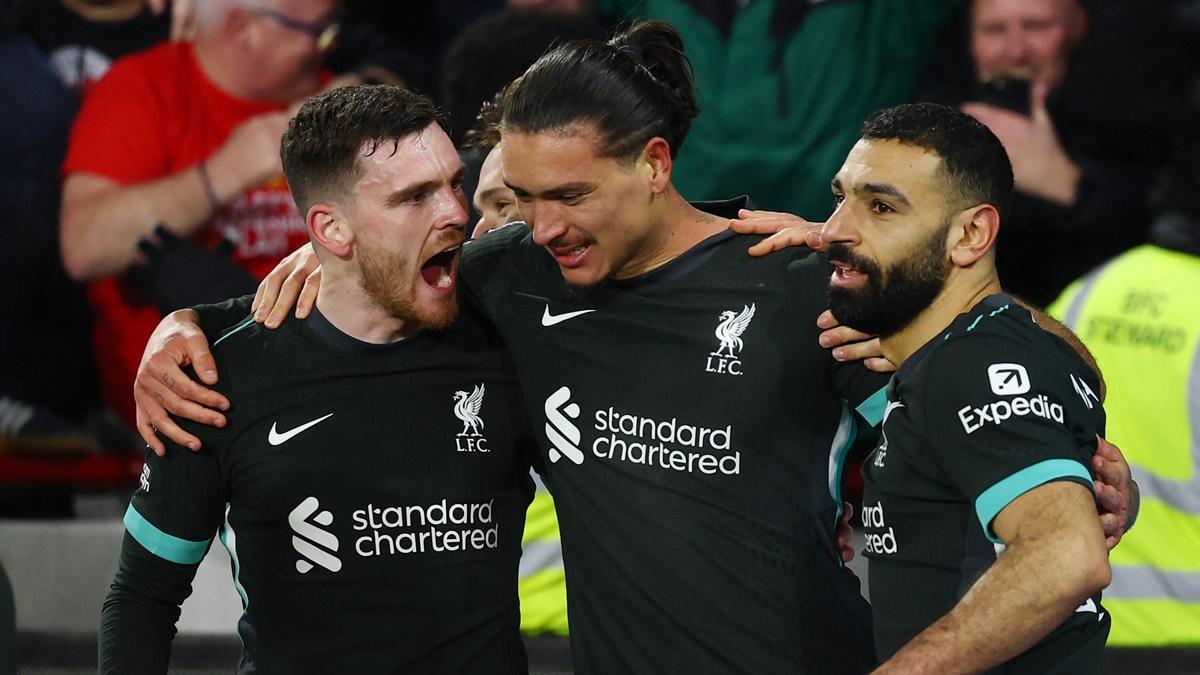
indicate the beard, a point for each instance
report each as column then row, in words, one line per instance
column 388, row 280
column 889, row 302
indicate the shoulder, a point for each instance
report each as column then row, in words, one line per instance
column 1004, row 352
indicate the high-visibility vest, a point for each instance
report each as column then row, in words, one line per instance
column 1139, row 314
column 542, row 584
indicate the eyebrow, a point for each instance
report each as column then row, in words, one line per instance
column 557, row 190
column 491, row 193
column 874, row 189
column 400, row 196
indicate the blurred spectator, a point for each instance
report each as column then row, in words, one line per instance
column 43, row 316
column 1138, row 314
column 187, row 135
column 83, row 37
column 494, row 50
column 783, row 85
column 1083, row 124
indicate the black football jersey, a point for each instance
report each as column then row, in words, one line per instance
column 990, row 408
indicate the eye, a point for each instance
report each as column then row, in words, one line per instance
column 456, row 183
column 418, row 197
column 571, row 199
column 881, row 208
column 838, row 198
column 503, row 204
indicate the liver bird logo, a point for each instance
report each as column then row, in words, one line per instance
column 466, row 408
column 730, row 330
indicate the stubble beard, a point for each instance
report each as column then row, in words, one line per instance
column 387, row 279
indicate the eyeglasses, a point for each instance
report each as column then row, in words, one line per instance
column 324, row 33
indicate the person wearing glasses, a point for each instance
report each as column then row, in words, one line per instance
column 187, row 134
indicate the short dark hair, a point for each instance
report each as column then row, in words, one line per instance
column 485, row 135
column 973, row 159
column 321, row 146
column 634, row 87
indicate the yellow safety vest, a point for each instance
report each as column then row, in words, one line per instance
column 1139, row 314
column 542, row 584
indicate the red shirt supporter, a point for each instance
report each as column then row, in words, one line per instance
column 154, row 114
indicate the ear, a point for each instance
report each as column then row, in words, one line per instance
column 328, row 229
column 656, row 161
column 976, row 231
column 1077, row 23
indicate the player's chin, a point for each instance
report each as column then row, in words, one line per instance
column 437, row 313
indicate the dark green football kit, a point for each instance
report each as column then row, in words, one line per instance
column 372, row 499
column 694, row 433
column 989, row 409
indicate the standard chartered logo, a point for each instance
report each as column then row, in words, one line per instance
column 622, row 437
column 311, row 542
column 561, row 431
column 880, row 541
column 440, row 527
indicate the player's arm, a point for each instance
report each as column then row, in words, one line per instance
column 1054, row 327
column 168, row 528
column 163, row 388
column 1055, row 558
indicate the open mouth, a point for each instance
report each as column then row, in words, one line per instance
column 570, row 256
column 439, row 270
column 846, row 275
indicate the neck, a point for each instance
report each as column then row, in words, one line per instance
column 118, row 10
column 346, row 305
column 681, row 226
column 958, row 296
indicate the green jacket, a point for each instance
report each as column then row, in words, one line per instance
column 779, row 115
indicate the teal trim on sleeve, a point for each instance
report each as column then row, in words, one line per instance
column 248, row 321
column 994, row 499
column 161, row 544
column 872, row 408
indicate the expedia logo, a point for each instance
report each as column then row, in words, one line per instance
column 973, row 419
column 314, row 544
column 561, row 431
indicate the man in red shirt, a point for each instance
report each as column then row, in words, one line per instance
column 187, row 134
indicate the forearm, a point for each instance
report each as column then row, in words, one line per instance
column 1034, row 585
column 103, row 220
column 137, row 623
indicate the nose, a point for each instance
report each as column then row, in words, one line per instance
column 1016, row 49
column 839, row 228
column 547, row 221
column 452, row 209
column 481, row 227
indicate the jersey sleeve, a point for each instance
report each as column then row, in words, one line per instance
column 118, row 133
column 169, row 525
column 1005, row 416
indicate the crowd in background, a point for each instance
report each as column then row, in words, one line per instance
column 141, row 167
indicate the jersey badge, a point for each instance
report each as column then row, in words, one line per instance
column 731, row 324
column 466, row 409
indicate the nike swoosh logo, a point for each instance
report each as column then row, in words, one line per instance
column 276, row 438
column 549, row 319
